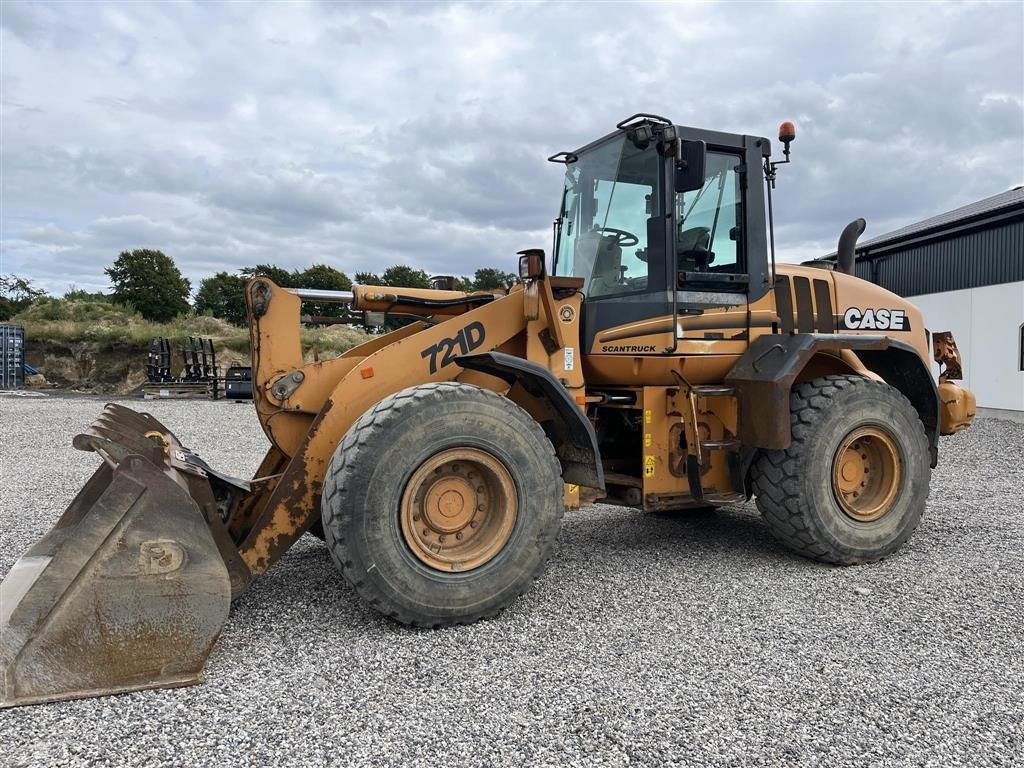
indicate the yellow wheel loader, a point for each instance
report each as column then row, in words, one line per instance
column 661, row 360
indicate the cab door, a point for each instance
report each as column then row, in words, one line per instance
column 711, row 266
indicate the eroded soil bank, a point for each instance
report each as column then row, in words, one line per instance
column 101, row 367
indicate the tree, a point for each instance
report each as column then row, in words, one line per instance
column 396, row 276
column 281, row 276
column 324, row 278
column 16, row 294
column 368, row 278
column 402, row 276
column 490, row 279
column 223, row 296
column 150, row 282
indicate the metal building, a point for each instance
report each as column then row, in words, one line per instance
column 965, row 270
column 12, row 356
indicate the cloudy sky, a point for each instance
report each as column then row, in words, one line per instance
column 366, row 135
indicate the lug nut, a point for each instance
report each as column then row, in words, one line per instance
column 415, row 518
column 472, row 523
column 459, row 535
column 426, row 531
column 479, row 507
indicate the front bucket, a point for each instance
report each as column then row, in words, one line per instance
column 127, row 591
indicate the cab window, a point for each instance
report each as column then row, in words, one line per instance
column 611, row 198
column 709, row 236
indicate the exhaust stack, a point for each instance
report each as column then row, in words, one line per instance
column 846, row 253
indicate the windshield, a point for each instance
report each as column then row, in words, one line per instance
column 610, row 202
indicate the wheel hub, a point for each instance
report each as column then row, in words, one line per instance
column 458, row 509
column 866, row 473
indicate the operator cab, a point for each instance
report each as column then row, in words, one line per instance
column 661, row 219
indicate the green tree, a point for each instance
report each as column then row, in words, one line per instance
column 223, row 296
column 279, row 275
column 368, row 278
column 403, row 276
column 324, row 278
column 150, row 282
column 490, row 279
column 16, row 294
column 396, row 276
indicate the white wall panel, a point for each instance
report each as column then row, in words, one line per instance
column 986, row 323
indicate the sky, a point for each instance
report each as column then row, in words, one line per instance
column 364, row 135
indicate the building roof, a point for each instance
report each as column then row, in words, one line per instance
column 982, row 209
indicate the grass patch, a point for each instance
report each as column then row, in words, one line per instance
column 107, row 324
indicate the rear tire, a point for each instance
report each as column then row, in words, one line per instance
column 852, row 486
column 442, row 504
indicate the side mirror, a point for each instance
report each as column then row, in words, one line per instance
column 531, row 264
column 690, row 157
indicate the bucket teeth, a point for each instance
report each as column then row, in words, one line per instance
column 129, row 589
column 121, row 432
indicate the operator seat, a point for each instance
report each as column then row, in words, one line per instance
column 607, row 276
column 693, row 250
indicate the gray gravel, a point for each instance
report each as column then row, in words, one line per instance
column 650, row 640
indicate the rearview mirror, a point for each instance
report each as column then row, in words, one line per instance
column 531, row 264
column 690, row 156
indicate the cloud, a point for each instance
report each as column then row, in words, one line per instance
column 365, row 135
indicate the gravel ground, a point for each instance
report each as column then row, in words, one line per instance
column 650, row 640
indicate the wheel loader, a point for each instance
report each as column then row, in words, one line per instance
column 660, row 359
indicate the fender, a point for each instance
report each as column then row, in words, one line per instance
column 574, row 438
column 764, row 376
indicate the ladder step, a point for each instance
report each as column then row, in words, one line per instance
column 713, row 390
column 720, row 445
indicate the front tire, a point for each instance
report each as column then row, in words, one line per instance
column 852, row 486
column 442, row 504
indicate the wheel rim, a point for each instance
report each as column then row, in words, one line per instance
column 458, row 509
column 866, row 473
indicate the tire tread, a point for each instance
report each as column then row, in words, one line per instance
column 776, row 474
column 349, row 458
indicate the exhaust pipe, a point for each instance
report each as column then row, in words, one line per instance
column 846, row 254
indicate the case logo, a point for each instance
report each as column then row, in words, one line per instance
column 876, row 319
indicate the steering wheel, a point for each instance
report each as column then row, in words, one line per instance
column 624, row 238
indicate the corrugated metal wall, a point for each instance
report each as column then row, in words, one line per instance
column 969, row 260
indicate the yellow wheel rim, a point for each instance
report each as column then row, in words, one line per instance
column 458, row 509
column 866, row 473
